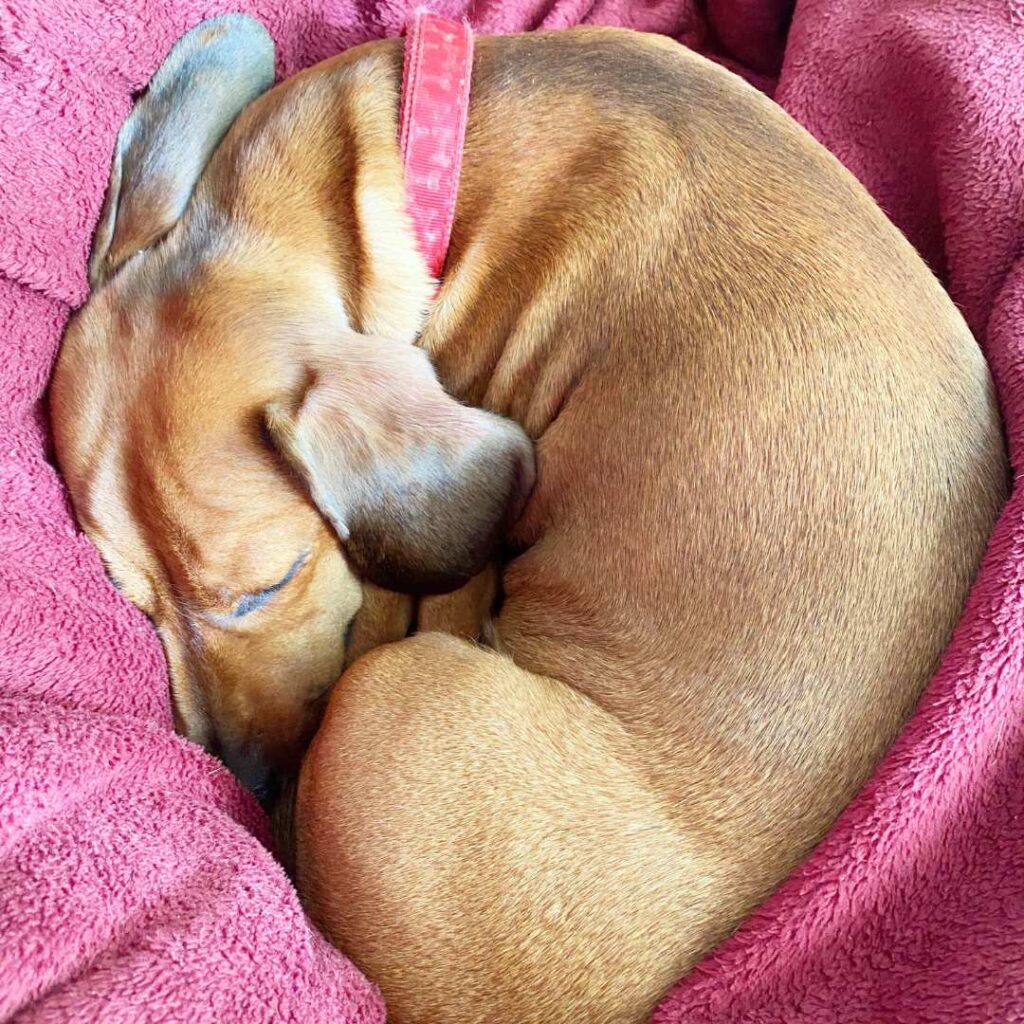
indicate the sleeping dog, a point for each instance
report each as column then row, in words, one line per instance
column 735, row 449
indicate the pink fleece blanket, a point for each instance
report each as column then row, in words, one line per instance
column 134, row 881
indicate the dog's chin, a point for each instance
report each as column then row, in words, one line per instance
column 281, row 811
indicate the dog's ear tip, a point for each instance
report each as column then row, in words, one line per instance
column 210, row 75
column 242, row 27
column 234, row 19
column 249, row 38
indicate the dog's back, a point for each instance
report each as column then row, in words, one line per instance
column 770, row 456
column 769, row 453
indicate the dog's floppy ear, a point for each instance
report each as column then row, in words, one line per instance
column 418, row 488
column 209, row 76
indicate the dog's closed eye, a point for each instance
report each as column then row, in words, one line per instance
column 248, row 603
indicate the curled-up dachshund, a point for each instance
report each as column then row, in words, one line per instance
column 734, row 448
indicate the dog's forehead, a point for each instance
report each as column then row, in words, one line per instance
column 155, row 340
column 113, row 337
column 135, row 375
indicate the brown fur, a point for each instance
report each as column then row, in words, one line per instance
column 768, row 459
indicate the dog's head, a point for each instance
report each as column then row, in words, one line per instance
column 240, row 452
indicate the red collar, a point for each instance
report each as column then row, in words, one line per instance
column 432, row 126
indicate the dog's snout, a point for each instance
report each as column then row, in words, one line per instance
column 251, row 768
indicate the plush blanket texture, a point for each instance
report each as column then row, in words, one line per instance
column 135, row 885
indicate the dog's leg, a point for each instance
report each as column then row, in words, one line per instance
column 386, row 616
column 466, row 612
column 480, row 841
column 383, row 617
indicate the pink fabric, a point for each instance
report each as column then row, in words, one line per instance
column 432, row 126
column 134, row 884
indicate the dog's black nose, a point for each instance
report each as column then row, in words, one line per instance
column 252, row 770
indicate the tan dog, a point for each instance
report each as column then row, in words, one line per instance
column 768, row 460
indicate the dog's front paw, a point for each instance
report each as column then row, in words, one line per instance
column 465, row 612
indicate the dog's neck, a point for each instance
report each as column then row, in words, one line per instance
column 490, row 331
column 316, row 168
column 311, row 174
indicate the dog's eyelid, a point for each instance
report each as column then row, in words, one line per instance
column 248, row 603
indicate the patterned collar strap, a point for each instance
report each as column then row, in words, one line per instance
column 432, row 126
